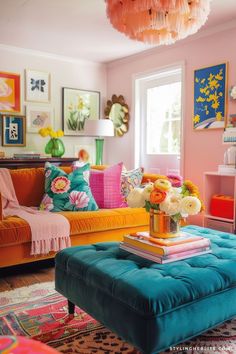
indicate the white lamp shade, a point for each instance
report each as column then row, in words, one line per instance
column 98, row 127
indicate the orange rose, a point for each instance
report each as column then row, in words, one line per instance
column 157, row 196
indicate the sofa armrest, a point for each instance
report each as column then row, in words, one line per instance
column 151, row 177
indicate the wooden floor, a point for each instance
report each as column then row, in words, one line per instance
column 25, row 275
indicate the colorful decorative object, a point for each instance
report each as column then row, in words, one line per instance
column 9, row 92
column 13, row 130
column 45, row 319
column 210, row 94
column 55, row 146
column 38, row 116
column 167, row 205
column 67, row 191
column 158, row 22
column 78, row 107
column 130, row 180
column 37, row 86
column 118, row 112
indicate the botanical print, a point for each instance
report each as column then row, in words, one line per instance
column 9, row 92
column 13, row 130
column 37, row 86
column 210, row 97
column 38, row 117
column 78, row 106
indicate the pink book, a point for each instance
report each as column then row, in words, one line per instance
column 167, row 259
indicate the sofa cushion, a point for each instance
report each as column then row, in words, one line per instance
column 106, row 219
column 130, row 180
column 106, row 187
column 67, row 191
column 14, row 230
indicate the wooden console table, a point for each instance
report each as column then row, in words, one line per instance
column 27, row 163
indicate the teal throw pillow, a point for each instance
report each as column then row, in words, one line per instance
column 67, row 191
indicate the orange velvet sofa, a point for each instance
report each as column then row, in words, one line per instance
column 86, row 227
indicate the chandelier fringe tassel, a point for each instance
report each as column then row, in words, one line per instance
column 158, row 21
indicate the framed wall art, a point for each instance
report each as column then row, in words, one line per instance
column 37, row 86
column 210, row 96
column 9, row 92
column 39, row 116
column 78, row 105
column 13, row 130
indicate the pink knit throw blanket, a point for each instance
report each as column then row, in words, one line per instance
column 50, row 231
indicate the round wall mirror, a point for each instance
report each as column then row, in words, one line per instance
column 118, row 111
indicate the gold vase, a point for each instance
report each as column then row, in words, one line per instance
column 162, row 225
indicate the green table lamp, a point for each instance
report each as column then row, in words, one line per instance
column 100, row 128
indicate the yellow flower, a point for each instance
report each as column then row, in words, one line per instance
column 202, row 81
column 200, row 99
column 197, row 80
column 220, row 94
column 219, row 77
column 43, row 132
column 60, row 133
column 219, row 116
column 80, row 104
column 215, row 105
column 162, row 184
column 192, row 188
column 213, row 83
column 53, row 134
column 196, row 119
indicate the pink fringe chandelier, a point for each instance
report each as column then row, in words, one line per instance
column 157, row 21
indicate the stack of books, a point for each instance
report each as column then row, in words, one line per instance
column 165, row 250
column 27, row 155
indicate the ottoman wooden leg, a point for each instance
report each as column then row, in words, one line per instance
column 71, row 308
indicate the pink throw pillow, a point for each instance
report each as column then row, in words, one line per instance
column 106, row 187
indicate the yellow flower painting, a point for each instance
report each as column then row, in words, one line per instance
column 210, row 97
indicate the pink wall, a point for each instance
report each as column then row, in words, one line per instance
column 203, row 150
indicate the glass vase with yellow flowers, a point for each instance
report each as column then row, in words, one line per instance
column 54, row 146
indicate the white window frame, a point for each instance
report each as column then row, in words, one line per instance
column 137, row 89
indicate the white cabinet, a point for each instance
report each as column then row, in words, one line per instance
column 215, row 183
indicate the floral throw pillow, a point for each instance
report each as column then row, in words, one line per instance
column 67, row 191
column 130, row 180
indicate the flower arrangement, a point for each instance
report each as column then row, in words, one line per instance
column 48, row 131
column 55, row 146
column 177, row 202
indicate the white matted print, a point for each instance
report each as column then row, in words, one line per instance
column 37, row 86
column 90, row 148
column 39, row 116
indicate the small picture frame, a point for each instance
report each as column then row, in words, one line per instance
column 10, row 92
column 13, row 130
column 39, row 116
column 37, row 86
column 77, row 107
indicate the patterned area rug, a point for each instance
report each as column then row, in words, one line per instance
column 39, row 312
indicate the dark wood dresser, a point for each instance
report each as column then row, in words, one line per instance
column 14, row 163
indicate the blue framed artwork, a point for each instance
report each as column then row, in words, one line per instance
column 13, row 130
column 210, row 90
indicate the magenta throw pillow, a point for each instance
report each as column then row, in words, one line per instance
column 106, row 187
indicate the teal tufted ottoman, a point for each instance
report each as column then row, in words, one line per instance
column 152, row 306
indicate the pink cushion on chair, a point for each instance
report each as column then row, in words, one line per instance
column 106, row 187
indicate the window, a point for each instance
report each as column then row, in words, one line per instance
column 163, row 119
column 158, row 119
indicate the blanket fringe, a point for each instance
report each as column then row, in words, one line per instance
column 43, row 247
